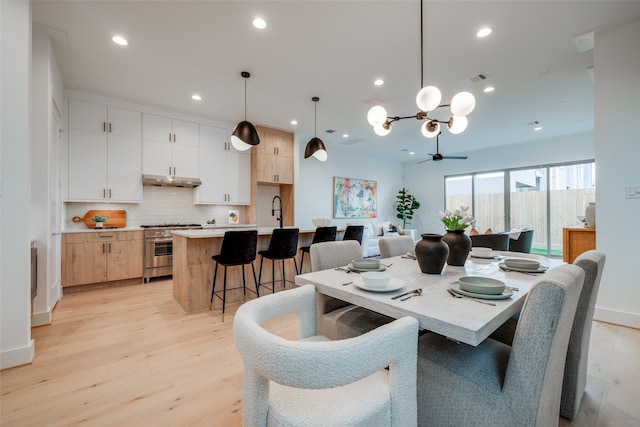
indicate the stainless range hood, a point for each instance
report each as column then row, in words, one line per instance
column 170, row 181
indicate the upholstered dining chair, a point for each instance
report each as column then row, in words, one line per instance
column 238, row 249
column 494, row 384
column 339, row 319
column 283, row 245
column 575, row 370
column 394, row 246
column 497, row 241
column 354, row 232
column 317, row 382
column 322, row 234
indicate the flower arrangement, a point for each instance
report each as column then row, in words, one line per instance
column 457, row 220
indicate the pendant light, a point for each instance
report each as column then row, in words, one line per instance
column 245, row 134
column 315, row 147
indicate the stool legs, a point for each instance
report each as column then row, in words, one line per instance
column 273, row 273
column 224, row 288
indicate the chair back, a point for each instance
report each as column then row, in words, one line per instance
column 314, row 363
column 575, row 371
column 238, row 247
column 325, row 234
column 533, row 379
column 327, row 255
column 522, row 243
column 394, row 246
column 354, row 232
column 497, row 242
column 283, row 243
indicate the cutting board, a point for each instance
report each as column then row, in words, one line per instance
column 115, row 218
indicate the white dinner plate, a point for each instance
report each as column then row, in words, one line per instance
column 363, row 270
column 491, row 255
column 393, row 285
column 540, row 269
column 455, row 287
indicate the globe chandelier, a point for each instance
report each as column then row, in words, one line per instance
column 427, row 100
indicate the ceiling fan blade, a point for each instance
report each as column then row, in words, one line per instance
column 455, row 157
column 422, row 161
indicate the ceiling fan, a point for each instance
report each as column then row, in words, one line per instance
column 437, row 157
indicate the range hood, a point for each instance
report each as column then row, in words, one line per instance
column 170, row 181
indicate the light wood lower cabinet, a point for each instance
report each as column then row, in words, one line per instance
column 576, row 240
column 99, row 257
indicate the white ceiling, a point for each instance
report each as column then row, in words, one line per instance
column 334, row 50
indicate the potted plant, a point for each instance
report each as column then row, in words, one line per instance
column 407, row 204
column 99, row 220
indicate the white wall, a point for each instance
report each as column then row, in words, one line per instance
column 617, row 148
column 16, row 345
column 426, row 180
column 314, row 184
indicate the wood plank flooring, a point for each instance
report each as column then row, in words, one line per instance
column 128, row 356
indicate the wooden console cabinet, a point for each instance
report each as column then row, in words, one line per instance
column 576, row 240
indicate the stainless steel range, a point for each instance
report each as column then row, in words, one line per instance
column 158, row 248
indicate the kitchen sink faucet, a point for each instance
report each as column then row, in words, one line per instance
column 278, row 215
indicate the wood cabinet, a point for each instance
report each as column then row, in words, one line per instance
column 170, row 146
column 105, row 153
column 274, row 156
column 576, row 240
column 225, row 172
column 97, row 257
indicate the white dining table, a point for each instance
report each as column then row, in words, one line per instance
column 461, row 319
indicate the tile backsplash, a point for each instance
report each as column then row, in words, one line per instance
column 160, row 205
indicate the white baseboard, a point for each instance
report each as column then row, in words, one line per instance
column 17, row 356
column 41, row 318
column 631, row 320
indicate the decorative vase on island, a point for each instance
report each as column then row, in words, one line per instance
column 431, row 253
column 459, row 247
column 590, row 215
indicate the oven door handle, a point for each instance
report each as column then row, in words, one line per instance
column 159, row 240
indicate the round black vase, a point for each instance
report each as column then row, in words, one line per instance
column 431, row 253
column 459, row 247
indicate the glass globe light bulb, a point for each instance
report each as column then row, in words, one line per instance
column 377, row 115
column 381, row 130
column 462, row 104
column 428, row 98
column 430, row 129
column 457, row 124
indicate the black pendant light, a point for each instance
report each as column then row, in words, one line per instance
column 245, row 134
column 315, row 147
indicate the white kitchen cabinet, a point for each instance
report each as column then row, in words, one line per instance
column 105, row 153
column 170, row 146
column 224, row 171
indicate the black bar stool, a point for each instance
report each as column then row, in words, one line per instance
column 354, row 232
column 283, row 245
column 238, row 248
column 322, row 234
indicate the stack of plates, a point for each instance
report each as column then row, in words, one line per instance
column 364, row 264
column 523, row 265
column 481, row 287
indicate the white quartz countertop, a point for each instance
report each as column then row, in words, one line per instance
column 212, row 232
column 100, row 230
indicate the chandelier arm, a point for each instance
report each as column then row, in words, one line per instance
column 421, row 50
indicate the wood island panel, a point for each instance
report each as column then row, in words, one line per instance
column 193, row 271
column 576, row 240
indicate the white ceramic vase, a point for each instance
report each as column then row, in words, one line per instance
column 590, row 215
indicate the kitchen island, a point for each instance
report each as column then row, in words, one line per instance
column 193, row 267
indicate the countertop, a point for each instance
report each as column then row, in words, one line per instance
column 209, row 232
column 207, row 227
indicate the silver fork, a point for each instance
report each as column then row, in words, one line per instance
column 453, row 294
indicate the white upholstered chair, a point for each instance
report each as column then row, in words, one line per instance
column 317, row 382
column 394, row 246
column 338, row 319
column 495, row 384
column 575, row 370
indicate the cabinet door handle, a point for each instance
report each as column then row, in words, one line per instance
column 104, row 126
column 103, row 249
column 169, row 136
column 109, row 193
column 104, row 193
column 174, row 137
column 109, row 247
column 109, row 127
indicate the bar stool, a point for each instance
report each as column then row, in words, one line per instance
column 322, row 234
column 354, row 232
column 238, row 248
column 283, row 245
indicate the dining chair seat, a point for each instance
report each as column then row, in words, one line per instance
column 395, row 246
column 282, row 246
column 322, row 234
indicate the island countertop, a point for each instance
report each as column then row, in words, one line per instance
column 212, row 232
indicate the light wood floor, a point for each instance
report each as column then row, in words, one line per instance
column 127, row 356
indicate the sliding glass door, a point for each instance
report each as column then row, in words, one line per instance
column 528, row 204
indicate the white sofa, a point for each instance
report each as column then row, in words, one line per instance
column 373, row 231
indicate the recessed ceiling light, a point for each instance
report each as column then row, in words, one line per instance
column 411, row 153
column 484, row 32
column 120, row 40
column 378, row 82
column 260, row 23
column 345, row 135
column 489, row 89
column 294, row 122
column 537, row 128
column 196, row 97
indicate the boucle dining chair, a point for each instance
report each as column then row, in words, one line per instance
column 394, row 246
column 575, row 370
column 494, row 384
column 317, row 382
column 322, row 234
column 339, row 319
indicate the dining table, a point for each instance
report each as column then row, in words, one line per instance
column 468, row 320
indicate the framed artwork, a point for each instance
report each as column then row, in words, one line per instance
column 354, row 198
column 234, row 217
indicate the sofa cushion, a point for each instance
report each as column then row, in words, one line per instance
column 377, row 228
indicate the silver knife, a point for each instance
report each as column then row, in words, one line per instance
column 405, row 294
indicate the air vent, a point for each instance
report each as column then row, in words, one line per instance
column 476, row 79
column 376, row 100
column 330, row 131
column 351, row 141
